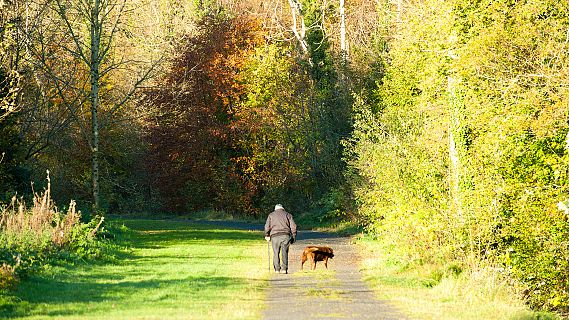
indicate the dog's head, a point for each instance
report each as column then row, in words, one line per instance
column 329, row 252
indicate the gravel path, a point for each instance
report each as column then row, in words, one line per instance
column 334, row 293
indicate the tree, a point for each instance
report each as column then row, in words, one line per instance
column 329, row 103
column 9, row 57
column 462, row 154
column 272, row 126
column 189, row 136
column 295, row 112
column 87, row 37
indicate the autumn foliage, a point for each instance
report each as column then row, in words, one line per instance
column 189, row 137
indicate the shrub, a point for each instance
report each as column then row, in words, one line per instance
column 8, row 277
column 33, row 237
column 464, row 155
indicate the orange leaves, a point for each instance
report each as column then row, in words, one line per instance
column 191, row 145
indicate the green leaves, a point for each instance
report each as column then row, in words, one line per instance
column 465, row 156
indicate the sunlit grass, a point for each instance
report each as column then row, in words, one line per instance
column 173, row 270
column 479, row 295
column 325, row 293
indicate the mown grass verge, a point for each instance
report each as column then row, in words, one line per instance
column 170, row 270
column 430, row 291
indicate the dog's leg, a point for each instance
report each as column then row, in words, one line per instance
column 326, row 262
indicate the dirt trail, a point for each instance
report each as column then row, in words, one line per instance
column 336, row 293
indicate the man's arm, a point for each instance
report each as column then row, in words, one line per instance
column 292, row 228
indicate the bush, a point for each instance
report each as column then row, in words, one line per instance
column 464, row 156
column 8, row 276
column 31, row 238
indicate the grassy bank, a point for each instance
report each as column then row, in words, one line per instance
column 171, row 270
column 441, row 292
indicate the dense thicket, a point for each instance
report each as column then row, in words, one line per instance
column 465, row 155
column 45, row 117
column 292, row 120
column 194, row 144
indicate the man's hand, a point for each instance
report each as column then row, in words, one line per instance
column 268, row 238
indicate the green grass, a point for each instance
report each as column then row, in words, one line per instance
column 172, row 270
column 435, row 292
column 318, row 222
column 325, row 293
column 209, row 215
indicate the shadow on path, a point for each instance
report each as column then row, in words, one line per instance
column 302, row 234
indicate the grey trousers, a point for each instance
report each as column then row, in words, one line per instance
column 280, row 244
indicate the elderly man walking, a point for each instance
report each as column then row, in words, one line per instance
column 280, row 229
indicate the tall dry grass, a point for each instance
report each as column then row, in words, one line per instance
column 28, row 235
column 40, row 220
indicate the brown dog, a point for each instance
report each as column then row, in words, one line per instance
column 316, row 253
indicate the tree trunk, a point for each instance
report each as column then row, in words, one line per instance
column 455, row 175
column 94, row 98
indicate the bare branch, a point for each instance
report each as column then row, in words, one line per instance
column 61, row 11
column 104, row 51
column 296, row 9
column 135, row 87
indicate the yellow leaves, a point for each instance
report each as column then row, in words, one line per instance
column 57, row 101
column 551, row 118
